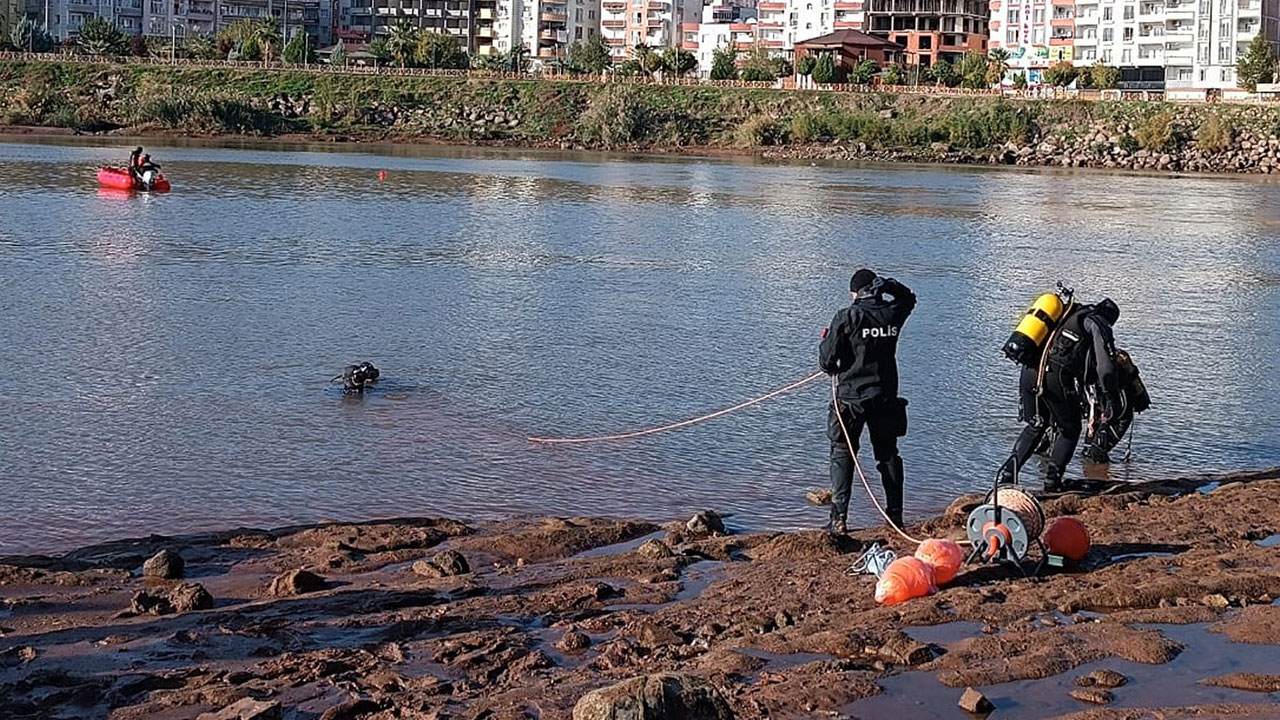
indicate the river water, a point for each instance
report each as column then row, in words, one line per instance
column 164, row 360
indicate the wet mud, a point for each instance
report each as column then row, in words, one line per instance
column 434, row 618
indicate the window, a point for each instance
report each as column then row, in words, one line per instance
column 591, row 14
column 1011, row 37
column 1106, row 14
column 1039, row 15
column 1106, row 56
column 1124, row 57
column 1128, row 34
column 1014, row 15
column 823, row 19
column 926, row 42
column 1107, row 34
column 1128, row 12
column 1224, row 53
column 1224, row 29
column 1090, row 54
column 577, row 33
column 1204, row 74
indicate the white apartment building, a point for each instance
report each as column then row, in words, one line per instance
column 807, row 19
column 1169, row 44
column 178, row 19
column 545, row 27
column 655, row 23
column 722, row 26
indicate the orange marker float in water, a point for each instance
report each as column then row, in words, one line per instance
column 382, row 174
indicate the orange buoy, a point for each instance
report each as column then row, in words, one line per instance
column 1067, row 536
column 382, row 174
column 905, row 578
column 943, row 556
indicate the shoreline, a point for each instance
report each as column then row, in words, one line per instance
column 437, row 618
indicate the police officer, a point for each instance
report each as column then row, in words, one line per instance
column 1081, row 353
column 860, row 350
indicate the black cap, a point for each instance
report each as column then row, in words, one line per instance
column 1108, row 310
column 861, row 279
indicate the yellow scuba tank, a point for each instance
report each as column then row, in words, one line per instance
column 1037, row 324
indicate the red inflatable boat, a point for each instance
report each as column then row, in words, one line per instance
column 121, row 179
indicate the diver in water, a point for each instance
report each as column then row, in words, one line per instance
column 146, row 171
column 1078, row 369
column 860, row 349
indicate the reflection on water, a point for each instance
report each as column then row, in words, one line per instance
column 164, row 360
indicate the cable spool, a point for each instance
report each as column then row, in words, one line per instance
column 1006, row 526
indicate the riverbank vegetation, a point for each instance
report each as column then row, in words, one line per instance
column 106, row 97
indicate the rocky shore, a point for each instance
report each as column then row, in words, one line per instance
column 1174, row 608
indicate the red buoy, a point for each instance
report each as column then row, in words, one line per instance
column 1067, row 536
column 382, row 174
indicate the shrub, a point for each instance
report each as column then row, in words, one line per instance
column 1155, row 134
column 1060, row 74
column 1215, row 133
column 616, row 116
column 825, row 70
column 759, row 130
column 804, row 66
column 810, row 126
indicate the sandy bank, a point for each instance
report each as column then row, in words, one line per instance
column 1177, row 594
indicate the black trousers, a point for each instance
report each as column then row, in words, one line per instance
column 885, row 423
column 1058, row 405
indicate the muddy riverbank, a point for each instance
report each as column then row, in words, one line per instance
column 432, row 618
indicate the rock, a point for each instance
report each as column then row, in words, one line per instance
column 246, row 709
column 654, row 550
column 145, row 603
column 296, row 582
column 17, row 656
column 1096, row 696
column 574, row 642
column 165, row 564
column 427, row 569
column 190, row 596
column 975, row 702
column 666, row 695
column 902, row 650
column 1102, row 679
column 653, row 635
column 704, row 523
column 889, row 114
column 451, row 563
column 819, row 498
column 1215, row 601
column 351, row 710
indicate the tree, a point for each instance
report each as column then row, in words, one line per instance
column 1060, row 74
column 439, row 51
column 402, row 43
column 338, row 58
column 894, row 75
column 944, row 73
column 138, row 46
column 1258, row 64
column 250, row 50
column 650, row 61
column 1103, row 76
column 99, row 36
column 201, row 47
column 300, row 51
column 1020, row 81
column 804, row 66
column 589, row 56
column 267, row 32
column 826, row 71
column 863, row 72
column 517, row 59
column 759, row 66
column 379, row 50
column 629, row 68
column 724, row 63
column 973, row 70
column 678, row 62
column 26, row 36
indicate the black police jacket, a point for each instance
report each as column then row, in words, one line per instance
column 861, row 345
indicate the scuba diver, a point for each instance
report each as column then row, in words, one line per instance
column 1077, row 367
column 134, row 159
column 859, row 350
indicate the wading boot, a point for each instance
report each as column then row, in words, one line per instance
column 838, row 523
column 891, row 479
column 1053, row 480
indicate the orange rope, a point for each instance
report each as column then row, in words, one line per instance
column 835, row 404
column 682, row 423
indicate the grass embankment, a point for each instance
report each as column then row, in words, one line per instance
column 103, row 97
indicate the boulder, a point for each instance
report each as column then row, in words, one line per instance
column 1095, row 696
column 574, row 642
column 975, row 702
column 296, row 582
column 451, row 563
column 654, row 550
column 665, row 695
column 190, row 596
column 1102, row 678
column 145, row 603
column 705, row 523
column 246, row 709
column 351, row 710
column 165, row 564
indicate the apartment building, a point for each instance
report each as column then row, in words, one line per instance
column 930, row 30
column 179, row 19
column 655, row 23
column 1156, row 44
column 546, row 27
column 11, row 13
column 470, row 21
column 726, row 24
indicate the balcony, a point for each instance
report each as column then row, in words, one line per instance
column 847, row 25
column 613, row 23
column 843, row 6
column 689, row 45
column 615, row 6
column 1062, row 22
column 486, row 14
column 554, row 17
column 654, row 23
column 553, row 36
column 484, row 32
column 615, row 42
column 782, row 7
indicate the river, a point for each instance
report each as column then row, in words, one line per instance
column 165, row 360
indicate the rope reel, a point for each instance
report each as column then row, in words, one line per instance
column 1007, row 525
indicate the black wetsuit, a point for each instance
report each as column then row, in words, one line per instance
column 1083, row 352
column 860, row 348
